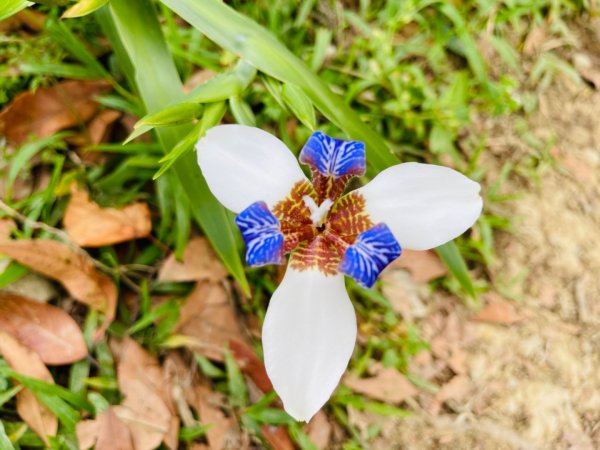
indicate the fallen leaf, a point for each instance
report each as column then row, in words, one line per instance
column 208, row 317
column 581, row 170
column 30, row 409
column 497, row 310
column 32, row 18
column 113, row 434
column 89, row 225
column 587, row 68
column 179, row 380
column 223, row 432
column 48, row 110
column 423, row 266
column 147, row 408
column 319, row 430
column 277, row 437
column 387, row 385
column 456, row 389
column 197, row 78
column 87, row 433
column 73, row 269
column 404, row 294
column 251, row 365
column 105, row 432
column 199, row 263
column 6, row 228
column 97, row 129
column 30, row 285
column 457, row 360
column 45, row 329
column 535, row 40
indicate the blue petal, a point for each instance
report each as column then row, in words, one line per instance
column 334, row 157
column 262, row 236
column 372, row 251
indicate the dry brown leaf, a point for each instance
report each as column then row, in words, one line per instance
column 223, row 432
column 73, row 269
column 147, row 408
column 455, row 389
column 32, row 18
column 277, row 437
column 405, row 295
column 535, row 40
column 113, row 434
column 87, row 433
column 497, row 310
column 251, row 365
column 97, row 130
column 30, row 409
column 30, row 285
column 89, row 225
column 48, row 110
column 587, row 66
column 319, row 430
column 179, row 380
column 197, row 78
column 45, row 329
column 199, row 263
column 424, row 266
column 106, row 432
column 581, row 170
column 208, row 317
column 387, row 385
column 6, row 227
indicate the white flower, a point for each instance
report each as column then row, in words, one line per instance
column 310, row 327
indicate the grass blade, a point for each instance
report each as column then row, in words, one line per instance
column 8, row 9
column 452, row 258
column 83, row 8
column 139, row 36
column 5, row 443
column 242, row 36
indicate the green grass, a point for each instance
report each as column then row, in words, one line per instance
column 406, row 77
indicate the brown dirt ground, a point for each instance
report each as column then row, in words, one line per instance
column 533, row 384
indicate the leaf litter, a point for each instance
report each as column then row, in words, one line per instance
column 90, row 225
column 73, row 268
column 43, row 112
column 26, row 362
column 45, row 329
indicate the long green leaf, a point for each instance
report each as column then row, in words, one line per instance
column 5, row 443
column 450, row 255
column 83, row 8
column 158, row 84
column 9, row 8
column 244, row 37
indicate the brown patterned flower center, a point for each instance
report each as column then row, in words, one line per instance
column 321, row 246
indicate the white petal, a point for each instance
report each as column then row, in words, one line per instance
column 308, row 337
column 424, row 205
column 243, row 165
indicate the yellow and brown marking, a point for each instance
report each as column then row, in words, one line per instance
column 320, row 253
column 292, row 209
column 348, row 217
column 329, row 186
column 321, row 247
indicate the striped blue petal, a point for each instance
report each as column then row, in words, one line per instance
column 262, row 235
column 334, row 157
column 372, row 251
